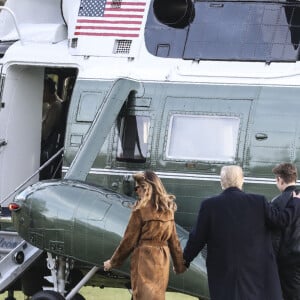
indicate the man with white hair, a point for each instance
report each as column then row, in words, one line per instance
column 235, row 226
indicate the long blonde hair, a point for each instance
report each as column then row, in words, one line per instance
column 154, row 191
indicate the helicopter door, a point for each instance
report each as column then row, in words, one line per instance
column 20, row 128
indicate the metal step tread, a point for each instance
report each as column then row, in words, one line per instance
column 5, row 232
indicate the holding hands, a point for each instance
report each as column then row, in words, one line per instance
column 180, row 268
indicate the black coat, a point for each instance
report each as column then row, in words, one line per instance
column 240, row 260
column 286, row 242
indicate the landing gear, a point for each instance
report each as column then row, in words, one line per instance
column 60, row 270
column 63, row 279
column 10, row 295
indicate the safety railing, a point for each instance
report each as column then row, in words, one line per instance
column 35, row 173
column 14, row 19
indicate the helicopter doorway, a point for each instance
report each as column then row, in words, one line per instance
column 21, row 123
column 58, row 87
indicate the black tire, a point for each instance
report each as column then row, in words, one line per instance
column 47, row 295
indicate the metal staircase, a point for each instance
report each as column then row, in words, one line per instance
column 16, row 255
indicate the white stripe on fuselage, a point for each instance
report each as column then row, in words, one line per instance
column 176, row 175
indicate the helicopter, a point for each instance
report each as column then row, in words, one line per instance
column 179, row 87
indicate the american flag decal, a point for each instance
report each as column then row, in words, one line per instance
column 110, row 18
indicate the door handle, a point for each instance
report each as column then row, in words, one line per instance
column 3, row 142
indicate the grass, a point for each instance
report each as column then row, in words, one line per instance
column 95, row 293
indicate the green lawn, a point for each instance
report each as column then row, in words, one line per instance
column 94, row 293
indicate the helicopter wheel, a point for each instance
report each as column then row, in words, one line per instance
column 47, row 295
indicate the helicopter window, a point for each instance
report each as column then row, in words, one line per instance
column 226, row 30
column 133, row 138
column 195, row 137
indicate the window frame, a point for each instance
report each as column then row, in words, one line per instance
column 119, row 160
column 167, row 143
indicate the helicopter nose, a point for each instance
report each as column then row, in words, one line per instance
column 71, row 218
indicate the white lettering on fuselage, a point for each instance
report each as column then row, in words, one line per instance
column 8, row 244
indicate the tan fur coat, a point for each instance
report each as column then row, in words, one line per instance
column 151, row 237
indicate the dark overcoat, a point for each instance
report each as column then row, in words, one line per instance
column 241, row 264
column 286, row 244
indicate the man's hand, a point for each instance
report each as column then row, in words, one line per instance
column 295, row 195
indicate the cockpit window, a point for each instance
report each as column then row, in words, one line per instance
column 226, row 30
column 208, row 138
column 133, row 138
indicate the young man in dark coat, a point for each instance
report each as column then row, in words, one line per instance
column 286, row 242
column 241, row 264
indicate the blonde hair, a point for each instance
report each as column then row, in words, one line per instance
column 232, row 176
column 154, row 191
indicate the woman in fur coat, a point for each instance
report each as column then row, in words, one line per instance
column 151, row 237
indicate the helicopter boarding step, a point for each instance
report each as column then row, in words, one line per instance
column 16, row 255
